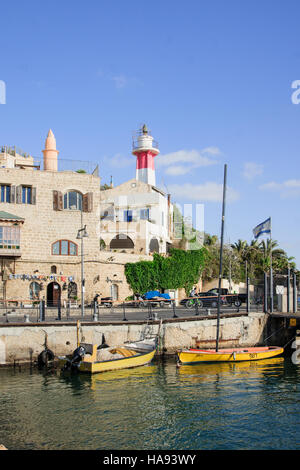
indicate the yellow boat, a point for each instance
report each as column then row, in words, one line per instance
column 196, row 356
column 84, row 359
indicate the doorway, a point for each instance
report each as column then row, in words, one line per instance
column 53, row 294
column 114, row 292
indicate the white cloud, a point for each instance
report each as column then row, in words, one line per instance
column 119, row 161
column 120, row 81
column 177, row 170
column 184, row 161
column 209, row 191
column 252, row 169
column 286, row 189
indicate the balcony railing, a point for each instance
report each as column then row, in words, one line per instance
column 136, row 144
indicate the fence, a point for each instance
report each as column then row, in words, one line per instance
column 134, row 310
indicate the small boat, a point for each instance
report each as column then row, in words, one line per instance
column 196, row 356
column 88, row 358
column 146, row 344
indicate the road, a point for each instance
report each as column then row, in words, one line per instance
column 116, row 314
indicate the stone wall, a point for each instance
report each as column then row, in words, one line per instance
column 24, row 343
column 44, row 225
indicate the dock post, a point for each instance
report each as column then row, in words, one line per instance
column 124, row 315
column 58, row 309
column 174, row 312
column 294, row 292
column 288, row 289
column 265, row 293
column 42, row 310
column 248, row 295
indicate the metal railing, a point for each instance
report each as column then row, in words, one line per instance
column 115, row 311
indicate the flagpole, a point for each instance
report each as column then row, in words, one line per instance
column 271, row 270
column 221, row 257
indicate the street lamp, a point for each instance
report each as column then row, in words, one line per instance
column 81, row 234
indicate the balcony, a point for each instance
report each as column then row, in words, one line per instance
column 10, row 235
column 10, row 251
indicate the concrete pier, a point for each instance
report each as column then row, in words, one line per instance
column 23, row 343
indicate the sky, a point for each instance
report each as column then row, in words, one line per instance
column 212, row 79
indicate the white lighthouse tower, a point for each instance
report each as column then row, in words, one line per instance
column 145, row 149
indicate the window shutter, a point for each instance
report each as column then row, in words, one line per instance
column 60, row 205
column 87, row 202
column 12, row 194
column 57, row 201
column 19, row 194
column 33, row 195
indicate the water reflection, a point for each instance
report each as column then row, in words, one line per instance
column 207, row 371
column 206, row 406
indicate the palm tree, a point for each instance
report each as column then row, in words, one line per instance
column 270, row 248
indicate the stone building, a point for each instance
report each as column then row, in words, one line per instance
column 136, row 216
column 41, row 211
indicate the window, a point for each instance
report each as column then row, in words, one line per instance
column 72, row 290
column 26, row 195
column 34, row 291
column 127, row 216
column 10, row 238
column 114, row 291
column 154, row 246
column 53, row 269
column 144, row 214
column 5, row 193
column 73, row 201
column 120, row 242
column 64, row 247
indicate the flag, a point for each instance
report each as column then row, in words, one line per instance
column 264, row 227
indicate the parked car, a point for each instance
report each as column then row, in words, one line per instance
column 232, row 299
column 105, row 302
column 210, row 299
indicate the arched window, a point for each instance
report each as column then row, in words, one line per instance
column 72, row 290
column 102, row 244
column 73, row 201
column 121, row 242
column 34, row 291
column 64, row 247
column 53, row 269
column 154, row 246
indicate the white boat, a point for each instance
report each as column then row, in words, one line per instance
column 146, row 344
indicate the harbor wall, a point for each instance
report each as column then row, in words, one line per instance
column 23, row 344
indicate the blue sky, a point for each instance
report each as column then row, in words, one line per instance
column 212, row 80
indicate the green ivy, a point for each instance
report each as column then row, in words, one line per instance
column 181, row 269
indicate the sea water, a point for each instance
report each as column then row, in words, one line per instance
column 250, row 405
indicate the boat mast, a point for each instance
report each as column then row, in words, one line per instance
column 221, row 256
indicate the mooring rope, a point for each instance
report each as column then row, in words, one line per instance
column 273, row 333
column 292, row 339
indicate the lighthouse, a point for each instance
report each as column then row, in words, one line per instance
column 145, row 149
column 50, row 152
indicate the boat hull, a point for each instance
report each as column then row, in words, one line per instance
column 196, row 356
column 95, row 367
